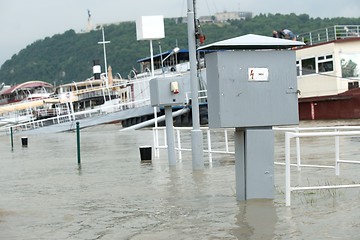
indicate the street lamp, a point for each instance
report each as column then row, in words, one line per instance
column 175, row 50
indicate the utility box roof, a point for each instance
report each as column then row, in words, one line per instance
column 252, row 41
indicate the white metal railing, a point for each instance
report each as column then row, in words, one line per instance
column 67, row 115
column 337, row 132
column 180, row 148
column 330, row 34
column 72, row 116
column 290, row 133
column 318, row 130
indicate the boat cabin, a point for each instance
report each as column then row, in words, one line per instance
column 169, row 61
column 330, row 63
column 31, row 90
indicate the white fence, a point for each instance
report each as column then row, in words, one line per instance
column 330, row 34
column 179, row 134
column 290, row 133
column 335, row 132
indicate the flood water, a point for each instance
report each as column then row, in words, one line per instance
column 44, row 195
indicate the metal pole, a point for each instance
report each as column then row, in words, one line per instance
column 157, row 152
column 337, row 155
column 78, row 143
column 287, row 170
column 152, row 58
column 196, row 133
column 161, row 59
column 170, row 136
column 103, row 43
column 105, row 62
column 11, row 138
column 298, row 157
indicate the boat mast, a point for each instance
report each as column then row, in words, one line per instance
column 105, row 63
column 104, row 47
column 196, row 133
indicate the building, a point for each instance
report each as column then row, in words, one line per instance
column 225, row 16
column 328, row 71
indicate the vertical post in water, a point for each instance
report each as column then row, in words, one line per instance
column 196, row 133
column 78, row 143
column 11, row 138
column 170, row 136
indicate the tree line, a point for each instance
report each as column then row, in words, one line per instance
column 69, row 56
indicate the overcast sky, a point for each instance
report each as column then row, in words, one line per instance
column 25, row 21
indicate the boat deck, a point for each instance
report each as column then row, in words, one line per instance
column 330, row 34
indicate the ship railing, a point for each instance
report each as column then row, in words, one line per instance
column 65, row 115
column 329, row 34
column 202, row 96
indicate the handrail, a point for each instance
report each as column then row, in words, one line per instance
column 290, row 132
column 336, row 134
column 209, row 150
column 330, row 34
column 63, row 117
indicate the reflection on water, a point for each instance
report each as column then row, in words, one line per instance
column 44, row 195
column 256, row 219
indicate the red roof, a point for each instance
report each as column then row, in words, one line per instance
column 31, row 84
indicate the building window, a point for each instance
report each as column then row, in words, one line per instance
column 350, row 65
column 315, row 65
column 325, row 63
column 298, row 68
column 308, row 66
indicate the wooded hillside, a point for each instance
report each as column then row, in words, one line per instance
column 68, row 57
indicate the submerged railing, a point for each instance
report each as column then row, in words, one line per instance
column 210, row 148
column 296, row 133
column 290, row 133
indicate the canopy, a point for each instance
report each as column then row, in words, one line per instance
column 30, row 84
column 252, row 41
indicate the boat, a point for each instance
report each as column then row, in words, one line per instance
column 106, row 98
column 19, row 103
column 30, row 90
column 89, row 102
column 329, row 73
column 171, row 64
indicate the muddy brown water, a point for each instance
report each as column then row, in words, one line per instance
column 44, row 195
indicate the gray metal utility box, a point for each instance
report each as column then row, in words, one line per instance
column 167, row 92
column 250, row 88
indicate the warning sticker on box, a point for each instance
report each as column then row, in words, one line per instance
column 258, row 74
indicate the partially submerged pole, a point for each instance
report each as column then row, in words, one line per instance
column 170, row 136
column 196, row 133
column 11, row 138
column 78, row 143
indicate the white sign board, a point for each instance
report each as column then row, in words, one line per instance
column 150, row 28
column 258, row 74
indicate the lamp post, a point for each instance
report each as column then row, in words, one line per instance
column 196, row 133
column 174, row 51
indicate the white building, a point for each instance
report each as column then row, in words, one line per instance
column 225, row 16
column 330, row 63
